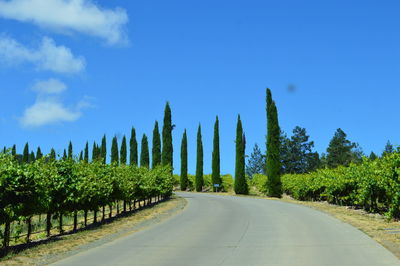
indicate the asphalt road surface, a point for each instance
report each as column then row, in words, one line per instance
column 225, row 230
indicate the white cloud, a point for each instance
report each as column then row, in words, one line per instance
column 48, row 56
column 48, row 107
column 82, row 16
column 50, row 86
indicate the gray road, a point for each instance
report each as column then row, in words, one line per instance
column 223, row 230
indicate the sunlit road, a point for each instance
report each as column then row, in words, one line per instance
column 224, row 230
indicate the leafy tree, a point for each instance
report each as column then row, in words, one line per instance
column 70, row 153
column 216, row 172
column 241, row 186
column 296, row 152
column 133, row 152
column 114, row 151
column 25, row 155
column 156, row 149
column 95, row 154
column 167, row 148
column 39, row 154
column 273, row 162
column 388, row 149
column 86, row 155
column 199, row 162
column 123, row 151
column 373, row 156
column 103, row 149
column 144, row 153
column 184, row 162
column 256, row 162
column 339, row 151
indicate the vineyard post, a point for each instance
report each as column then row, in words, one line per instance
column 48, row 224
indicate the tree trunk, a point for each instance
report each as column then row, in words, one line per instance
column 75, row 220
column 95, row 217
column 104, row 214
column 117, row 207
column 6, row 235
column 110, row 214
column 28, row 234
column 61, row 224
column 85, row 217
column 48, row 224
column 124, row 205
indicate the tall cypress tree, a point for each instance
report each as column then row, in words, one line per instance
column 39, row 154
column 14, row 150
column 184, row 162
column 123, row 151
column 273, row 162
column 81, row 156
column 114, row 151
column 133, row 152
column 167, row 149
column 64, row 155
column 216, row 175
column 156, row 149
column 94, row 152
column 86, row 155
column 199, row 162
column 240, row 176
column 25, row 155
column 32, row 157
column 103, row 149
column 144, row 153
column 70, row 153
column 52, row 154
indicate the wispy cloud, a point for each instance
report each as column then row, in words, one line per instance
column 48, row 107
column 82, row 16
column 48, row 56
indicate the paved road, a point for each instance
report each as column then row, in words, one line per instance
column 224, row 230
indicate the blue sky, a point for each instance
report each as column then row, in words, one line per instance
column 75, row 70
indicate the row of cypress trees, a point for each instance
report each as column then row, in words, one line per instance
column 273, row 184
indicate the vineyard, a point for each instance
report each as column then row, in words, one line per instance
column 67, row 190
column 373, row 185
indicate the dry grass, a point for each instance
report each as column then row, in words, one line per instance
column 58, row 248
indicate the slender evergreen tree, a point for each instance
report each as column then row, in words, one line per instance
column 133, row 151
column 52, row 154
column 216, row 175
column 14, row 150
column 32, row 157
column 156, row 149
column 39, row 154
column 167, row 149
column 144, row 153
column 86, row 155
column 94, row 152
column 199, row 162
column 70, row 153
column 184, row 162
column 65, row 155
column 273, row 162
column 81, row 156
column 25, row 155
column 114, row 151
column 103, row 149
column 123, row 151
column 240, row 176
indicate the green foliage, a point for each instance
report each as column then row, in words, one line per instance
column 240, row 177
column 133, row 151
column 339, row 151
column 256, row 162
column 156, row 148
column 86, row 153
column 123, row 151
column 39, row 153
column 259, row 182
column 199, row 162
column 70, row 153
column 25, row 154
column 216, row 175
column 65, row 186
column 184, row 163
column 114, row 151
column 167, row 148
column 388, row 149
column 144, row 153
column 372, row 185
column 273, row 162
